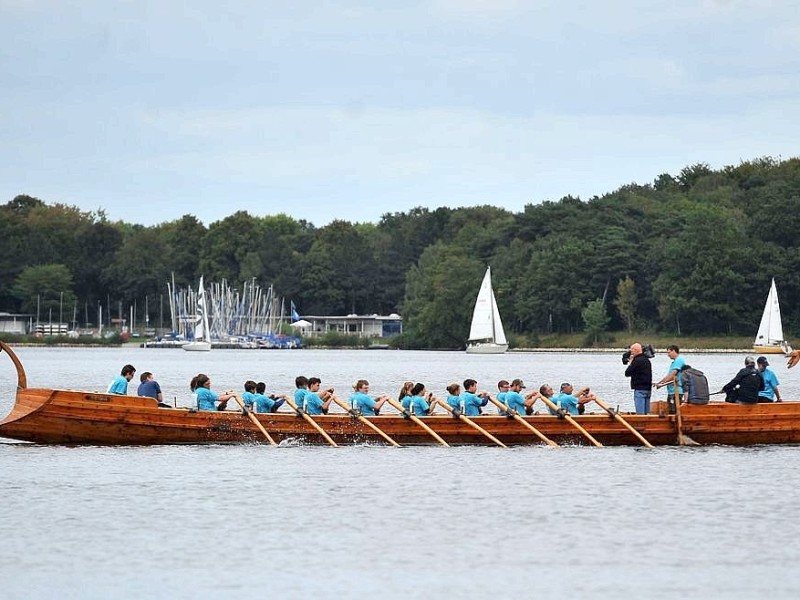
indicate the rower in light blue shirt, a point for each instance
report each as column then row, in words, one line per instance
column 516, row 401
column 361, row 401
column 502, row 391
column 316, row 402
column 770, row 392
column 120, row 383
column 454, row 396
column 301, row 383
column 471, row 401
column 249, row 395
column 420, row 402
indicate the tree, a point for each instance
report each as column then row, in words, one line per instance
column 46, row 288
column 626, row 301
column 596, row 320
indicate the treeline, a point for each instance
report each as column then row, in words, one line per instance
column 691, row 253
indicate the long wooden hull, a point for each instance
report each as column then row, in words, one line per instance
column 53, row 416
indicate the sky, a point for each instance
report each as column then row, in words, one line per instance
column 350, row 110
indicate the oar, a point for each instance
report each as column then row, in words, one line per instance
column 366, row 422
column 683, row 440
column 616, row 416
column 255, row 420
column 471, row 423
column 519, row 419
column 417, row 420
column 313, row 423
column 561, row 412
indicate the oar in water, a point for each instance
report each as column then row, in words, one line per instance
column 254, row 419
column 618, row 418
column 311, row 421
column 564, row 414
column 366, row 421
column 417, row 420
column 519, row 419
column 683, row 440
column 471, row 423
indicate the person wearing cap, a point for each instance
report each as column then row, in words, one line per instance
column 518, row 402
column 770, row 392
column 746, row 385
column 675, row 367
column 471, row 400
column 641, row 373
column 569, row 402
column 502, row 390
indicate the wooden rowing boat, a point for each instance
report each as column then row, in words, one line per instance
column 54, row 416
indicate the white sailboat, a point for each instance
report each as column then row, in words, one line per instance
column 769, row 339
column 486, row 335
column 202, row 340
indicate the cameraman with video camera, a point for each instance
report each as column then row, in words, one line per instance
column 641, row 373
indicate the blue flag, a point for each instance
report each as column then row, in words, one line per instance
column 295, row 316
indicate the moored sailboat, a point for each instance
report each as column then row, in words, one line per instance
column 202, row 340
column 769, row 339
column 486, row 334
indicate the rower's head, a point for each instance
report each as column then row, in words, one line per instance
column 145, row 376
column 517, row 385
column 566, row 388
column 673, row 351
column 301, row 381
column 418, row 389
column 470, row 385
column 128, row 371
column 250, row 386
column 454, row 389
column 546, row 391
column 503, row 385
column 362, row 385
column 314, row 383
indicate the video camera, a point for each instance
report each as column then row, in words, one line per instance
column 647, row 351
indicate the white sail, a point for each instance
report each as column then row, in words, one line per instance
column 202, row 340
column 486, row 334
column 770, row 330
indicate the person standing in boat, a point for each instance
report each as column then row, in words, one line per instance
column 518, row 403
column 316, row 402
column 770, row 392
column 420, row 402
column 471, row 400
column 675, row 367
column 641, row 373
column 120, row 383
column 206, row 399
column 149, row 388
column 746, row 385
column 361, row 401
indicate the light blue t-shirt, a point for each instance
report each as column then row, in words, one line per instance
column 118, row 386
column 677, row 364
column 515, row 401
column 566, row 401
column 454, row 401
column 471, row 404
column 206, row 399
column 263, row 403
column 313, row 404
column 502, row 398
column 418, row 405
column 249, row 399
column 770, row 383
column 300, row 396
column 406, row 401
column 362, row 402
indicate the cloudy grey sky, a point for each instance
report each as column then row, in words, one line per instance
column 348, row 109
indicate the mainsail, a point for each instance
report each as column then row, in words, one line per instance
column 770, row 331
column 486, row 324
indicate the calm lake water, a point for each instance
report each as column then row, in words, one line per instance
column 357, row 522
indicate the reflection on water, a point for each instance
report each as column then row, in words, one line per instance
column 358, row 522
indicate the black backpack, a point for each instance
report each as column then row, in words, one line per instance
column 695, row 384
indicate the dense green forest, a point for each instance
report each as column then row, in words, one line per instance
column 690, row 253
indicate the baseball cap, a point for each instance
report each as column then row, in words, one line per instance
column 762, row 360
column 518, row 382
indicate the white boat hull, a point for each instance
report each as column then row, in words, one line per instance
column 197, row 346
column 488, row 348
